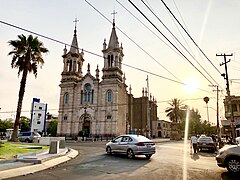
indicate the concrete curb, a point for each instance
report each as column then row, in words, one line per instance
column 38, row 167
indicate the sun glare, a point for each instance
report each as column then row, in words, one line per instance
column 191, row 86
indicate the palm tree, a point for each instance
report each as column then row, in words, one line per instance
column 26, row 56
column 175, row 111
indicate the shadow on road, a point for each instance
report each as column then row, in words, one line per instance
column 195, row 157
column 229, row 176
column 207, row 154
column 124, row 156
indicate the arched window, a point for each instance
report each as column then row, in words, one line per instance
column 109, row 61
column 88, row 93
column 66, row 99
column 69, row 65
column 116, row 61
column 109, row 96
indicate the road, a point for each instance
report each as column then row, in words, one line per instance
column 167, row 164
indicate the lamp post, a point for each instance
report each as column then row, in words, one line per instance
column 206, row 99
column 218, row 126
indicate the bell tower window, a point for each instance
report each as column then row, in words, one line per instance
column 69, row 65
column 110, row 61
column 66, row 98
column 109, row 96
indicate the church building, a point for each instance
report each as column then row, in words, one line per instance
column 91, row 106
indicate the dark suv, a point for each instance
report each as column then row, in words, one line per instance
column 28, row 136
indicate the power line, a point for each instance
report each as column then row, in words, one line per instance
column 51, row 39
column 179, row 41
column 168, row 40
column 178, row 27
column 46, row 37
column 146, row 52
column 156, row 36
column 190, row 37
column 150, row 9
column 99, row 106
column 131, row 38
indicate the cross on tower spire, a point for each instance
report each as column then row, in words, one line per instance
column 75, row 21
column 113, row 13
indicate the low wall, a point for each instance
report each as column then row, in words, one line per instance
column 47, row 140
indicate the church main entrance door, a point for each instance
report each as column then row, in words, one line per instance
column 86, row 126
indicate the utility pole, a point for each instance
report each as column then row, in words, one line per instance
column 228, row 92
column 218, row 127
column 148, row 111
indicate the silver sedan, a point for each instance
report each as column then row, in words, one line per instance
column 131, row 145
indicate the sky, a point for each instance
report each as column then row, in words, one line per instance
column 149, row 48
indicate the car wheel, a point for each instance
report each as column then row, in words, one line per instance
column 233, row 165
column 109, row 150
column 130, row 154
column 148, row 156
column 27, row 140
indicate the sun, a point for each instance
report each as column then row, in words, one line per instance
column 191, row 85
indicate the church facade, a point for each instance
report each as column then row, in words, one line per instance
column 90, row 106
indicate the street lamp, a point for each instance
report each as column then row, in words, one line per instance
column 206, row 99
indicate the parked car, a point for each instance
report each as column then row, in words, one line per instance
column 238, row 140
column 229, row 157
column 28, row 136
column 131, row 145
column 205, row 142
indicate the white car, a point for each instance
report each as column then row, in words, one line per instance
column 238, row 140
column 229, row 157
column 131, row 145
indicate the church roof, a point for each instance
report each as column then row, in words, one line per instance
column 74, row 45
column 113, row 42
column 90, row 76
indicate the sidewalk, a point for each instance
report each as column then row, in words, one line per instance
column 160, row 140
column 32, row 163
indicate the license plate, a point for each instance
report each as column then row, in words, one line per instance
column 204, row 144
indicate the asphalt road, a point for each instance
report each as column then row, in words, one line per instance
column 167, row 164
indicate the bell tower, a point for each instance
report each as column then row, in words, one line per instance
column 113, row 57
column 73, row 61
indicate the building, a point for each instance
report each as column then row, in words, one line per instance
column 140, row 117
column 162, row 128
column 38, row 116
column 235, row 113
column 91, row 106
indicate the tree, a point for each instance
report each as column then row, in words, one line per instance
column 26, row 57
column 176, row 110
column 52, row 129
column 5, row 124
column 25, row 124
column 197, row 126
column 175, row 113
